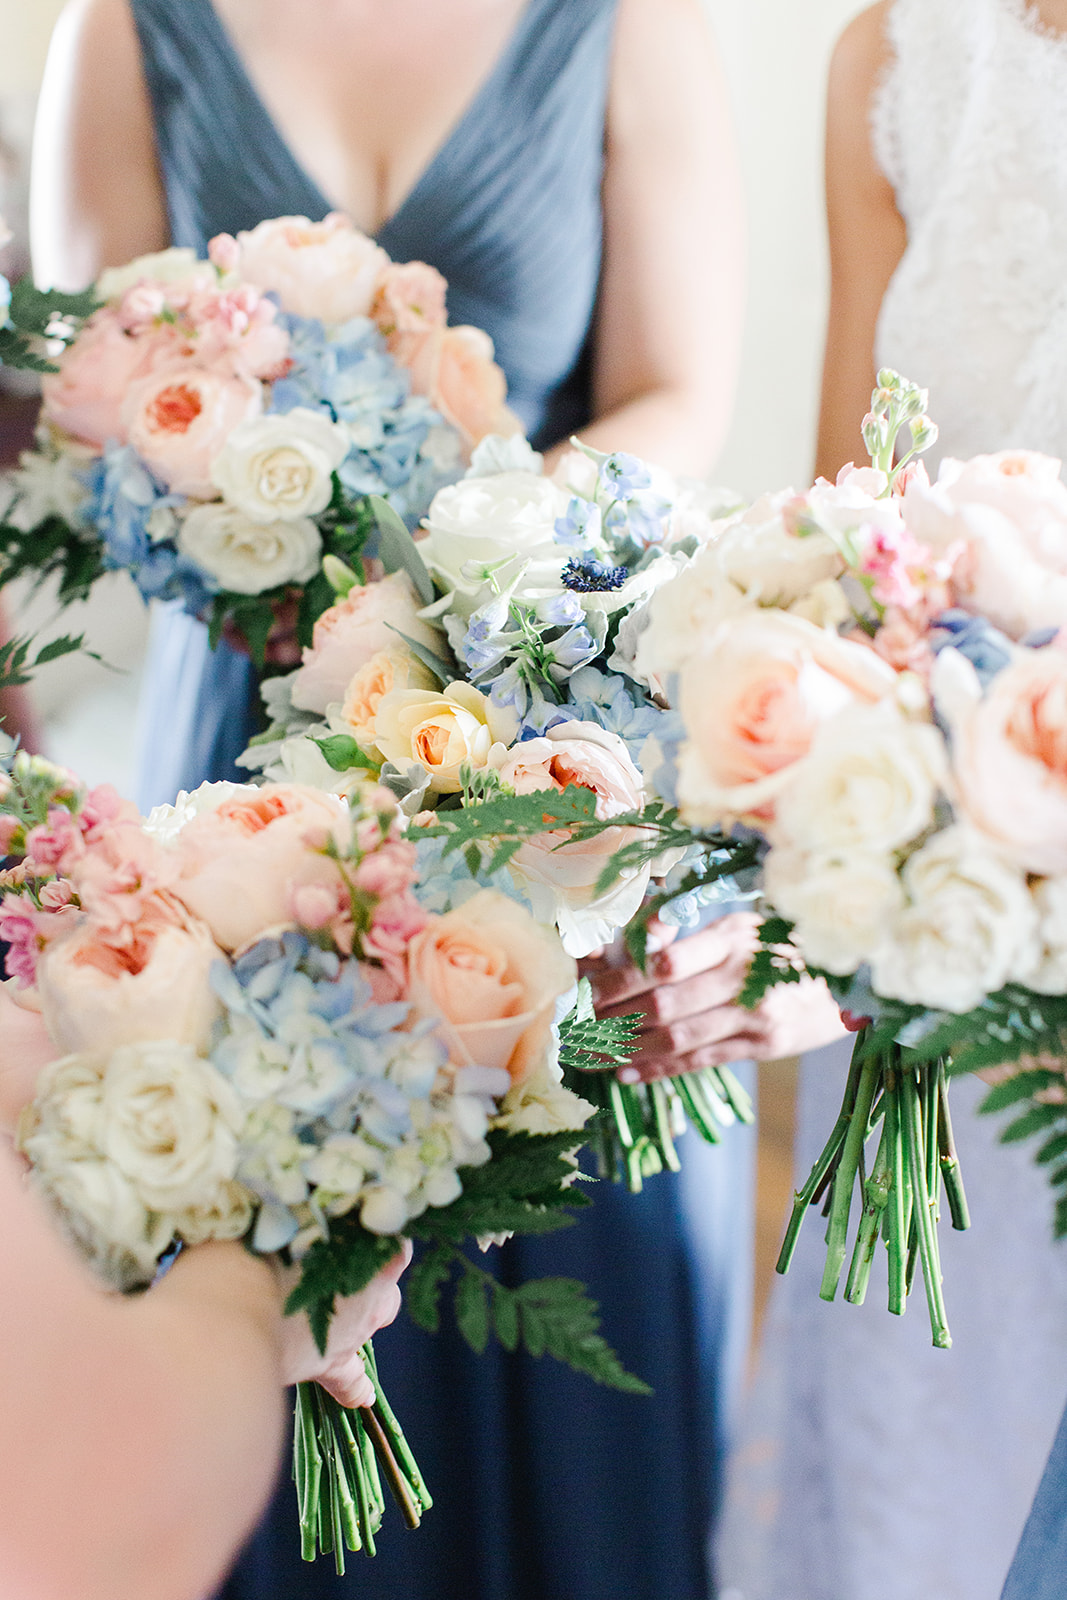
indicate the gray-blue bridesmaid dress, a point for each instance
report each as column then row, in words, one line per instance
column 546, row 1487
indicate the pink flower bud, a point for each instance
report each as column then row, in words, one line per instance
column 224, row 252
column 313, row 905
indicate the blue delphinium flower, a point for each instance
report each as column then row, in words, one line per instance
column 580, row 526
column 987, row 649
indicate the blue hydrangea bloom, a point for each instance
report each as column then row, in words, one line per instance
column 123, row 494
column 987, row 649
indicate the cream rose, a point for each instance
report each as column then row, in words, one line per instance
column 104, row 1218
column 279, row 468
column 386, row 671
column 444, row 731
column 683, row 614
column 170, row 1124
column 561, row 881
column 1005, row 517
column 769, row 561
column 326, row 269
column 752, row 702
column 969, row 925
column 249, row 557
column 179, row 264
column 840, row 903
column 227, row 1214
column 179, row 421
column 155, row 984
column 869, row 782
column 486, row 520
column 1009, row 754
column 1048, row 975
column 493, row 975
column 368, row 620
column 242, row 862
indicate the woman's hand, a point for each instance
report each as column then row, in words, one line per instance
column 355, row 1320
column 687, row 1000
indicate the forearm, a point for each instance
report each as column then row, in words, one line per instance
column 670, row 427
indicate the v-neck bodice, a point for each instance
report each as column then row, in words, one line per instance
column 508, row 208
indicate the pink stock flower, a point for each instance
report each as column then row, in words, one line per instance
column 27, row 932
column 396, row 921
column 57, row 894
column 9, row 827
column 239, row 327
column 389, row 871
column 119, row 876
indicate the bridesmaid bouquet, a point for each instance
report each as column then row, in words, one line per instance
column 216, row 428
column 872, row 679
column 493, row 688
column 240, row 1020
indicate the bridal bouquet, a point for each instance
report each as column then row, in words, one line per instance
column 216, row 428
column 240, row 1020
column 492, row 686
column 872, row 679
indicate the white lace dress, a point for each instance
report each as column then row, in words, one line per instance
column 871, row 1466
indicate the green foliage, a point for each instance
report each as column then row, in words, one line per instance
column 547, row 1316
column 340, row 1265
column 523, row 1189
column 35, row 313
column 721, row 860
column 398, row 551
column 52, row 549
column 775, row 961
column 342, row 753
column 1008, row 1025
column 16, row 666
column 588, row 1043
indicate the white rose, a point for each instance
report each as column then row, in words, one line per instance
column 67, row 1112
column 281, row 467
column 226, row 1215
column 970, row 925
column 840, row 902
column 488, row 519
column 179, row 264
column 1048, row 975
column 246, row 556
column 541, row 1104
column 165, row 823
column 105, row 1219
column 683, row 614
column 770, row 562
column 171, row 1124
column 869, row 782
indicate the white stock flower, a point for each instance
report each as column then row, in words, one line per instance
column 1048, row 975
column 248, row 557
column 869, row 782
column 279, row 468
column 171, row 1124
column 486, row 520
column 970, row 924
column 840, row 903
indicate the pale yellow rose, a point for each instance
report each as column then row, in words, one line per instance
column 493, row 975
column 386, row 671
column 445, row 731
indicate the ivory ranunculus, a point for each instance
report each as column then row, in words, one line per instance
column 493, row 975
column 968, row 926
column 103, row 1216
column 248, row 557
column 839, row 901
column 1009, row 753
column 385, row 671
column 752, row 702
column 1005, row 518
column 326, row 269
column 869, row 782
column 155, row 984
column 369, row 619
column 445, row 731
column 242, row 862
column 488, row 519
column 560, row 878
column 179, row 421
column 171, row 1124
column 279, row 468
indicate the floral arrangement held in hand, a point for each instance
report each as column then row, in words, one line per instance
column 872, row 679
column 499, row 669
column 217, row 427
column 238, row 1019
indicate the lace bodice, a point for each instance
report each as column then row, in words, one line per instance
column 970, row 126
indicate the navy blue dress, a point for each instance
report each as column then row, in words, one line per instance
column 546, row 1487
column 1039, row 1571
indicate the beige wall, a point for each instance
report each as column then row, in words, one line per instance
column 25, row 26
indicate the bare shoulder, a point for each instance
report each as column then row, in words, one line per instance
column 665, row 66
column 97, row 39
column 861, row 54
